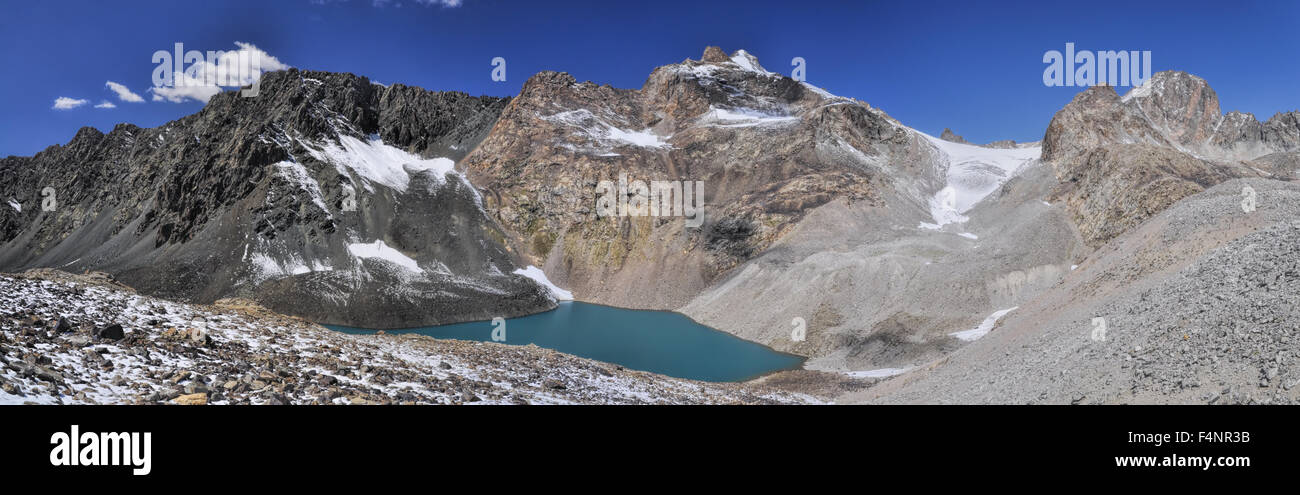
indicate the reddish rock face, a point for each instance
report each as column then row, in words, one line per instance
column 767, row 148
column 1120, row 160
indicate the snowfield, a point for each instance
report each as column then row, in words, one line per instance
column 379, row 163
column 984, row 327
column 973, row 172
column 379, row 250
column 605, row 135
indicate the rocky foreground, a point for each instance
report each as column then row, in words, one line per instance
column 86, row 339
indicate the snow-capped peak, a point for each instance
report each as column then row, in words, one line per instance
column 748, row 62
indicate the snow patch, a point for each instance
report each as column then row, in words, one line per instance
column 16, row 205
column 644, row 139
column 597, row 129
column 877, row 373
column 297, row 175
column 823, row 93
column 379, row 250
column 377, row 162
column 748, row 62
column 1142, row 91
column 538, row 276
column 744, row 117
column 985, row 326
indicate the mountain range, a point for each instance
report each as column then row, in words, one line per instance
column 925, row 268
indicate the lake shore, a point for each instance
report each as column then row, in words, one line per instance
column 235, row 352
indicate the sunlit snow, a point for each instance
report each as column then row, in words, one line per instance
column 985, row 326
column 973, row 172
column 379, row 250
column 538, row 276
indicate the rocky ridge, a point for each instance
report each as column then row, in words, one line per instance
column 86, row 339
column 1122, row 159
column 324, row 194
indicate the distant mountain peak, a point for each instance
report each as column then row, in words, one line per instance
column 747, row 61
column 948, row 135
column 713, row 54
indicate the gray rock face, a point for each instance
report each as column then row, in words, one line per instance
column 317, row 197
column 1195, row 306
column 948, row 135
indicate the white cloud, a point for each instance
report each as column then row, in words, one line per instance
column 205, row 78
column 65, row 103
column 106, row 104
column 179, row 94
column 123, row 93
column 440, row 3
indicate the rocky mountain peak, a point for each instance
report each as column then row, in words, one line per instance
column 1173, row 109
column 1169, row 82
column 1181, row 105
column 747, row 61
column 948, row 135
column 546, row 79
column 715, row 55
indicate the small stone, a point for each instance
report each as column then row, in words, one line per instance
column 111, row 332
column 198, row 399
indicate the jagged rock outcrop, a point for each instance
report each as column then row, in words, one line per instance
column 948, row 135
column 1121, row 160
column 320, row 197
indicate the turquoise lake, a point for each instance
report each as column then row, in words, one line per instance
column 657, row 341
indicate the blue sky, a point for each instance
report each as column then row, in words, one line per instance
column 973, row 66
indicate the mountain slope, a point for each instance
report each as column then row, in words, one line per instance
column 1196, row 304
column 325, row 196
column 1183, row 297
column 767, row 148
